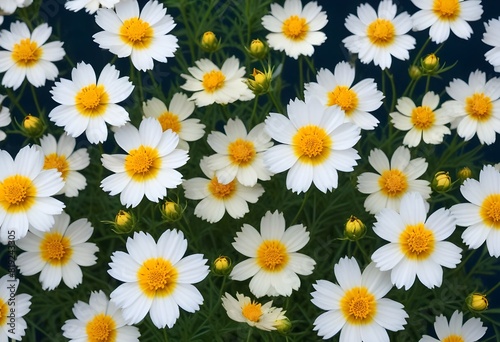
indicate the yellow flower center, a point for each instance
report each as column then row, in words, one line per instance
column 343, row 97
column 4, row 311
column 490, row 211
column 55, row 249
column 241, row 152
column 101, row 329
column 479, row 107
column 422, row 117
column 358, row 305
column 381, row 32
column 454, row 338
column 295, row 28
column 54, row 161
column 142, row 163
column 157, row 277
column 171, row 121
column 417, row 242
column 92, row 100
column 252, row 311
column 17, row 193
column 213, row 80
column 221, row 191
column 311, row 144
column 446, row 9
column 393, row 183
column 272, row 255
column 137, row 33
column 26, row 52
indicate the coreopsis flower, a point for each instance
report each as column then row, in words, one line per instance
column 157, row 279
column 456, row 330
column 295, row 29
column 481, row 215
column 356, row 305
column 315, row 143
column 10, row 6
column 176, row 118
column 422, row 122
column 5, row 119
column 337, row 89
column 239, row 154
column 217, row 198
column 99, row 320
column 86, row 105
column 60, row 155
column 140, row 34
column 273, row 262
column 475, row 108
column 58, row 253
column 12, row 309
column 242, row 309
column 28, row 55
column 445, row 15
column 91, row 6
column 377, row 36
column 148, row 168
column 26, row 192
column 491, row 38
column 213, row 85
column 393, row 179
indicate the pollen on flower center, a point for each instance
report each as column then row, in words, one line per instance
column 343, row 97
column 221, row 191
column 479, row 106
column 157, row 277
column 272, row 255
column 241, row 152
column 54, row 161
column 490, row 211
column 446, row 9
column 17, row 193
column 358, row 305
column 142, row 163
column 171, row 121
column 101, row 329
column 417, row 242
column 55, row 248
column 393, row 183
column 92, row 100
column 213, row 80
column 26, row 52
column 423, row 117
column 454, row 338
column 381, row 32
column 4, row 311
column 252, row 311
column 311, row 144
column 295, row 28
column 136, row 32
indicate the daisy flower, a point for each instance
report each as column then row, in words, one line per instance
column 242, row 309
column 142, row 35
column 217, row 198
column 456, row 330
column 295, row 29
column 157, row 279
column 239, row 155
column 28, row 56
column 26, row 192
column 87, row 105
column 211, row 84
column 491, row 38
column 91, row 6
column 273, row 260
column 315, row 143
column 356, row 305
column 148, row 169
column 393, row 180
column 58, row 253
column 445, row 15
column 379, row 35
column 12, row 309
column 5, row 119
column 475, row 107
column 422, row 122
column 354, row 100
column 10, row 6
column 99, row 320
column 481, row 215
column 61, row 155
column 176, row 118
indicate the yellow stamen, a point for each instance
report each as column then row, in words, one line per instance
column 490, row 211
column 102, row 328
column 17, row 194
column 295, row 28
column 479, row 107
column 312, row 144
column 241, row 152
column 157, row 277
column 422, row 117
column 358, row 305
column 343, row 97
column 381, row 32
column 54, row 161
column 169, row 120
column 221, row 191
column 417, row 242
column 393, row 183
column 137, row 33
column 142, row 163
column 213, row 80
column 447, row 10
column 55, row 249
column 272, row 255
column 26, row 52
column 92, row 100
column 252, row 311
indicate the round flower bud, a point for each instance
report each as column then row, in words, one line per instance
column 430, row 63
column 476, row 302
column 222, row 265
column 414, row 72
column 283, row 326
column 172, row 211
column 33, row 127
column 258, row 49
column 464, row 173
column 209, row 42
column 441, row 181
column 124, row 222
column 355, row 229
column 261, row 81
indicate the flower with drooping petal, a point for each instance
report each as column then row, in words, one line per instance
column 12, row 309
column 91, row 6
column 456, row 330
column 491, row 38
column 5, row 119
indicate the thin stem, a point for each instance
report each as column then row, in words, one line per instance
column 306, row 196
column 249, row 335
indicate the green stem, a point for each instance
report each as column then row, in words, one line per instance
column 492, row 289
column 249, row 335
column 306, row 196
column 35, row 100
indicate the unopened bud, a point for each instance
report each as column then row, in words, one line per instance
column 209, row 42
column 261, row 81
column 124, row 222
column 430, row 63
column 441, row 181
column 283, row 326
column 172, row 211
column 355, row 229
column 258, row 49
column 464, row 173
column 476, row 302
column 414, row 72
column 33, row 127
column 221, row 265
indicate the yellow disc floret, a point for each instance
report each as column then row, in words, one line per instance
column 381, row 32
column 17, row 194
column 157, row 277
column 358, row 305
column 295, row 28
column 417, row 242
column 272, row 255
column 137, row 33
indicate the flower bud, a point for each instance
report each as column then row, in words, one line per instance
column 464, row 173
column 222, row 265
column 172, row 211
column 355, row 229
column 476, row 302
column 33, row 127
column 261, row 81
column 441, row 181
column 124, row 222
column 258, row 49
column 283, row 325
column 414, row 72
column 209, row 42
column 430, row 63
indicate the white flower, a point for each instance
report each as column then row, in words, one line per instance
column 393, row 180
column 9, row 6
column 5, row 119
column 355, row 101
column 422, row 122
column 315, row 143
column 58, row 253
column 87, row 105
column 273, row 260
column 356, row 305
column 214, row 85
column 379, row 35
column 12, row 327
column 142, row 35
column 492, row 38
column 148, row 169
column 91, row 6
column 295, row 29
column 99, row 320
column 470, row 331
column 238, row 154
column 28, row 56
column 445, row 15
column 157, row 279
column 217, row 198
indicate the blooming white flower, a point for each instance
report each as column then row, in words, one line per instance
column 211, row 84
column 243, row 309
column 354, row 100
column 356, row 305
column 28, row 55
column 456, row 330
column 422, row 122
column 99, row 320
column 87, row 105
column 140, row 34
column 10, row 6
column 393, row 180
column 176, row 118
column 273, row 260
column 91, row 6
column 157, row 279
column 5, row 119
column 12, row 309
column 315, row 143
column 217, row 198
column 379, row 35
column 445, row 15
column 475, row 107
column 58, row 253
column 491, row 38
column 295, row 29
